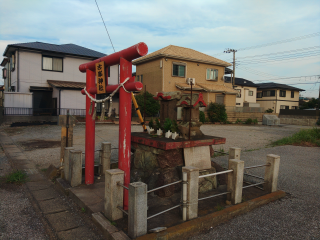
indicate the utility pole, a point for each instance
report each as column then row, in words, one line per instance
column 234, row 63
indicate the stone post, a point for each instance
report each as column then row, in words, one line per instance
column 234, row 153
column 137, row 212
column 113, row 194
column 66, row 122
column 66, row 163
column 235, row 181
column 192, row 191
column 271, row 173
column 75, row 159
column 105, row 157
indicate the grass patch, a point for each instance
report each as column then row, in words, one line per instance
column 16, row 177
column 305, row 137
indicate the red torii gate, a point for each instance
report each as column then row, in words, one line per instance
column 123, row 58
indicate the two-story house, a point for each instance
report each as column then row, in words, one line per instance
column 278, row 96
column 247, row 92
column 170, row 69
column 49, row 74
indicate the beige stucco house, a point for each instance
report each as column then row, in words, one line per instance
column 170, row 69
column 278, row 96
column 50, row 74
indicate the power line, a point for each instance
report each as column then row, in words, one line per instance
column 290, row 77
column 282, row 41
column 276, row 53
column 277, row 42
column 105, row 26
column 280, row 58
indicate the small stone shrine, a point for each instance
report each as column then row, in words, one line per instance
column 158, row 161
column 190, row 112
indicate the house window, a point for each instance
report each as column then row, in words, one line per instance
column 250, row 93
column 52, row 64
column 178, row 70
column 294, row 107
column 239, row 93
column 212, row 74
column 270, row 93
column 138, row 78
column 284, row 107
column 259, row 95
column 292, row 94
column 238, row 103
column 282, row 93
column 141, row 78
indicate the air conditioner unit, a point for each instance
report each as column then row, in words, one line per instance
column 191, row 80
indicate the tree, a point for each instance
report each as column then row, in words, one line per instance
column 313, row 103
column 152, row 105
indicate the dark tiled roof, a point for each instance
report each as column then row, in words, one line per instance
column 72, row 49
column 241, row 82
column 272, row 85
column 66, row 84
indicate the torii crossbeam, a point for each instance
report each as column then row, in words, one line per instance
column 123, row 58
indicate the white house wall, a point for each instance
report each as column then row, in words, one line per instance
column 72, row 99
column 17, row 100
column 31, row 73
column 245, row 95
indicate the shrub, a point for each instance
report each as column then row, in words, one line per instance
column 238, row 121
column 255, row 121
column 152, row 105
column 248, row 121
column 269, row 110
column 202, row 117
column 167, row 125
column 158, row 125
column 151, row 124
column 174, row 127
column 217, row 112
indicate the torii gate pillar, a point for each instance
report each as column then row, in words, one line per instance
column 123, row 58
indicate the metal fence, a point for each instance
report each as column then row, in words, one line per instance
column 10, row 111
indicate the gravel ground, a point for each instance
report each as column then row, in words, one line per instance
column 243, row 136
column 295, row 217
column 18, row 220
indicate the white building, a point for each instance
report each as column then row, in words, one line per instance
column 51, row 73
column 247, row 92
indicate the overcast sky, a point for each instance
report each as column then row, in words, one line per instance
column 206, row 26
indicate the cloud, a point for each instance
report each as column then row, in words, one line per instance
column 206, row 26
